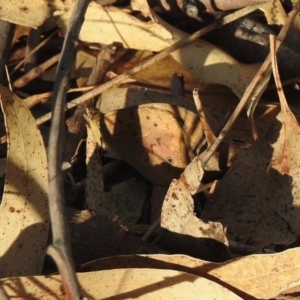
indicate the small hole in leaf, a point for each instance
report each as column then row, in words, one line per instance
column 170, row 160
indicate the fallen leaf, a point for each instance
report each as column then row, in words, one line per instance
column 24, row 220
column 206, row 62
column 121, row 284
column 32, row 13
column 107, row 25
column 274, row 13
column 127, row 199
column 160, row 73
column 258, row 199
column 94, row 186
column 118, row 98
column 102, row 236
column 262, row 276
column 156, row 139
column 261, row 207
column 142, row 6
column 181, row 229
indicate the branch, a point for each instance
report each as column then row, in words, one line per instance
column 60, row 250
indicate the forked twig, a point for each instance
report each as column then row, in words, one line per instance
column 60, row 250
column 161, row 55
column 251, row 89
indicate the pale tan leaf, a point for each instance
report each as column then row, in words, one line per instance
column 142, row 6
column 274, row 13
column 141, row 284
column 210, row 64
column 262, row 276
column 106, row 25
column 160, row 74
column 24, row 220
column 182, row 229
column 31, row 13
column 205, row 61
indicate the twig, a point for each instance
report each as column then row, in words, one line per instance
column 217, row 6
column 6, row 35
column 161, row 55
column 3, row 295
column 8, row 78
column 282, row 99
column 151, row 230
column 44, row 42
column 61, row 239
column 251, row 89
column 36, row 71
column 105, row 58
column 33, row 41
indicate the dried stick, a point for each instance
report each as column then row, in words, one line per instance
column 61, row 239
column 224, row 5
column 34, row 72
column 33, row 40
column 251, row 89
column 7, row 30
column 44, row 42
column 3, row 295
column 283, row 103
column 161, row 55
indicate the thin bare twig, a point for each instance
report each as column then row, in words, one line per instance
column 44, row 42
column 282, row 99
column 3, row 295
column 33, row 41
column 7, row 30
column 61, row 239
column 161, row 55
column 36, row 71
column 251, row 89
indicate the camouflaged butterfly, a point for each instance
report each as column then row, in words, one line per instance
column 156, row 139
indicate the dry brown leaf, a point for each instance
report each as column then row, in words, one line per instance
column 217, row 108
column 274, row 13
column 102, row 236
column 182, row 230
column 118, row 98
column 205, row 61
column 141, row 284
column 156, row 139
column 24, row 220
column 126, row 200
column 123, row 139
column 94, row 186
column 262, row 276
column 31, row 13
column 258, row 199
column 160, row 74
